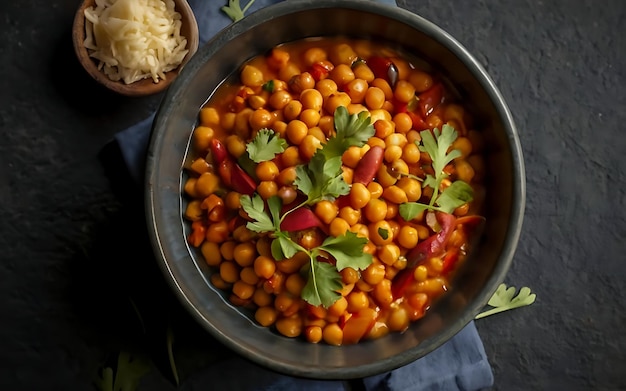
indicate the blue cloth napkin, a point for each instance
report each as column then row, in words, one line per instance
column 460, row 364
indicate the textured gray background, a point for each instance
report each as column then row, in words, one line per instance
column 69, row 284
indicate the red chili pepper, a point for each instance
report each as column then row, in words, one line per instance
column 433, row 246
column 429, row 99
column 197, row 235
column 319, row 71
column 231, row 173
column 380, row 66
column 366, row 169
column 299, row 219
column 450, row 261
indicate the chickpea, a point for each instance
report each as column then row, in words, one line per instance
column 313, row 334
column 194, row 212
column 227, row 122
column 209, row 116
column 398, row 319
column 392, row 153
column 375, row 210
column 314, row 55
column 242, row 290
column 279, row 99
column 332, row 334
column 267, row 189
column 338, row 227
column 288, row 71
column 202, row 136
column 357, row 89
column 296, row 131
column 395, row 195
column 288, row 175
column 384, row 86
column 359, row 195
column 266, row 170
column 374, row 98
column 362, row 71
column 261, row 118
column 291, row 156
column 338, row 307
column 309, row 145
column 326, row 211
column 245, row 254
column 403, row 122
column 310, row 117
column 318, row 133
column 343, row 54
column 287, row 194
column 326, row 87
column 374, row 273
column 264, row 266
column 380, row 232
column 229, row 272
column 422, row 81
column 266, row 316
column 292, row 110
column 404, row 91
column 311, row 99
column 262, row 298
column 251, row 76
column 227, row 250
column 382, row 293
column 350, row 215
column 335, row 100
column 248, row 276
column 211, row 253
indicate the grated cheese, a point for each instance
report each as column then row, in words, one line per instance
column 135, row 39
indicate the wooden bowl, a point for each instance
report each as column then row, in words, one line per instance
column 189, row 30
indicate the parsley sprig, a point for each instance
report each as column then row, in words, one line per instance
column 234, row 11
column 321, row 178
column 504, row 299
column 437, row 144
column 265, row 145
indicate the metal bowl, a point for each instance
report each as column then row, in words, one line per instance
column 187, row 272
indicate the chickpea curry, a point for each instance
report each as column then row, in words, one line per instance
column 333, row 189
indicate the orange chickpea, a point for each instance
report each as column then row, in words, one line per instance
column 408, row 237
column 314, row 55
column 266, row 171
column 287, row 176
column 374, row 98
column 342, row 74
column 422, row 81
column 291, row 156
column 362, row 71
column 292, row 110
column 264, row 266
column 266, row 316
column 310, row 117
column 279, row 99
column 374, row 273
column 357, row 301
column 357, row 89
column 326, row 87
column 261, row 118
column 404, row 91
column 296, row 131
column 243, row 290
column 359, row 195
column 311, row 99
column 350, row 215
column 262, row 298
column 211, row 253
column 229, row 272
column 309, row 145
column 380, row 232
column 245, row 253
column 301, row 82
column 313, row 334
column 335, row 100
column 338, row 227
column 332, row 334
column 375, row 210
column 326, row 211
column 217, row 232
column 384, row 86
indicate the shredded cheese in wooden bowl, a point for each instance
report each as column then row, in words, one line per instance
column 134, row 47
column 135, row 39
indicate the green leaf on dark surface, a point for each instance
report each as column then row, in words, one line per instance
column 234, row 11
column 504, row 299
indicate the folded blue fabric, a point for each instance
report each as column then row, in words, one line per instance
column 460, row 364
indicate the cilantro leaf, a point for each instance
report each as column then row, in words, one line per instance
column 504, row 299
column 234, row 11
column 255, row 208
column 436, row 144
column 350, row 130
column 321, row 179
column 323, row 284
column 128, row 373
column 409, row 210
column 348, row 251
column 265, row 146
column 455, row 195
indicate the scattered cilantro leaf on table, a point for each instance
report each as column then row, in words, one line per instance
column 437, row 144
column 234, row 11
column 504, row 299
column 127, row 374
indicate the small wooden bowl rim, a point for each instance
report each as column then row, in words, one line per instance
column 189, row 30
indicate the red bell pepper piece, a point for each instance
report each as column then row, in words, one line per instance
column 429, row 99
column 300, row 219
column 231, row 173
column 366, row 169
column 198, row 233
column 319, row 71
column 432, row 246
column 383, row 68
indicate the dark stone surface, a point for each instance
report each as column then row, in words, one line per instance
column 72, row 290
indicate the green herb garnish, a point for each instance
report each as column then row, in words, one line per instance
column 320, row 179
column 504, row 299
column 234, row 11
column 265, row 146
column 437, row 144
